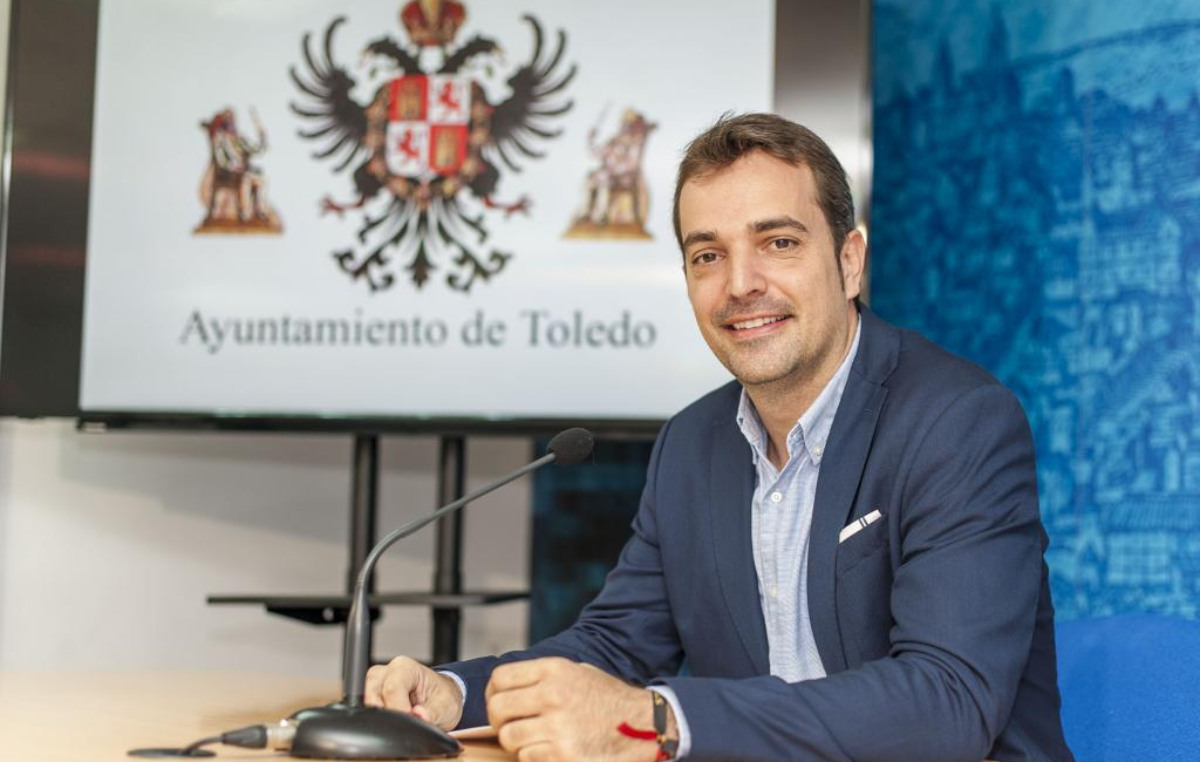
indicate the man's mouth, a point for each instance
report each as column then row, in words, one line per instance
column 752, row 323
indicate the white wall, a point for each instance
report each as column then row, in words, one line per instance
column 110, row 543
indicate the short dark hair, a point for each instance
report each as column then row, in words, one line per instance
column 734, row 136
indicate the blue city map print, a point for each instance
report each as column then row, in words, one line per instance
column 1035, row 208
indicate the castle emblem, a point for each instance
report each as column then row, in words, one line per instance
column 430, row 143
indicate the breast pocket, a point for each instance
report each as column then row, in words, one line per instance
column 863, row 543
column 864, row 589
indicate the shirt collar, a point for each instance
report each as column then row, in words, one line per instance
column 811, row 432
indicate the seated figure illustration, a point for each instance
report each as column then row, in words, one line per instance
column 233, row 189
column 616, row 200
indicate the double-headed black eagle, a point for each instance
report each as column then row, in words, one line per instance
column 424, row 223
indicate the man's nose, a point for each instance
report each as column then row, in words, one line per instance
column 746, row 276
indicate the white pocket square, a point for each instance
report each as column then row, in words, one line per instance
column 859, row 524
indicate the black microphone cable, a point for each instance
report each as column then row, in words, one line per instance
column 278, row 737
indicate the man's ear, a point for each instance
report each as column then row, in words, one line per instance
column 853, row 258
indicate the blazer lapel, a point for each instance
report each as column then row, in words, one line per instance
column 731, row 474
column 841, row 471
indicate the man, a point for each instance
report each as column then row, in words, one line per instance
column 896, row 608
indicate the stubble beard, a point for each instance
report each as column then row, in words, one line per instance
column 765, row 369
column 758, row 362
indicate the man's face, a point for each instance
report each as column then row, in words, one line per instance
column 762, row 276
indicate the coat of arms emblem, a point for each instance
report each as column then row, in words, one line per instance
column 426, row 138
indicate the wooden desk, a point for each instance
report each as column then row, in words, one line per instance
column 97, row 717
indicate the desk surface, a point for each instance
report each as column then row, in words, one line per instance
column 97, row 717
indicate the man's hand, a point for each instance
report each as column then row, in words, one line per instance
column 409, row 686
column 554, row 709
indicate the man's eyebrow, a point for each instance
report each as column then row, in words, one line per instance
column 775, row 223
column 699, row 236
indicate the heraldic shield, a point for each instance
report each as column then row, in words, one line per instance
column 430, row 142
column 428, row 124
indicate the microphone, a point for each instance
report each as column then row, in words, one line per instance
column 351, row 730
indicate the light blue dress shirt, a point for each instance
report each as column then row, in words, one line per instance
column 780, row 517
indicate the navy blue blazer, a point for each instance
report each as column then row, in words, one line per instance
column 934, row 623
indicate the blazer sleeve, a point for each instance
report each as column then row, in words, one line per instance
column 963, row 600
column 626, row 631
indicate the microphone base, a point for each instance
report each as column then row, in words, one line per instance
column 340, row 731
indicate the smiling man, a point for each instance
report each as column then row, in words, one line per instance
column 773, row 290
column 843, row 544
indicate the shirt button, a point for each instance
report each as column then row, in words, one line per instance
column 817, row 450
column 776, row 497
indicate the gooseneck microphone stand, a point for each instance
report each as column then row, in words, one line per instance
column 351, row 730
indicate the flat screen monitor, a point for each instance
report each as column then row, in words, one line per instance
column 321, row 213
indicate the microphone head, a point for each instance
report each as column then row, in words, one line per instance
column 571, row 446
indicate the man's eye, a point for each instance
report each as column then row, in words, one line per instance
column 782, row 244
column 704, row 258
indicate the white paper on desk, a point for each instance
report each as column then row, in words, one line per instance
column 480, row 733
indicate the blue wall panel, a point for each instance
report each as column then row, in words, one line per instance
column 1037, row 209
column 582, row 517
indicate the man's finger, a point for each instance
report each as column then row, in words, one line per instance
column 521, row 674
column 396, row 690
column 538, row 752
column 519, row 734
column 371, row 692
column 516, row 704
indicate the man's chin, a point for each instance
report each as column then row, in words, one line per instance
column 755, row 375
column 758, row 382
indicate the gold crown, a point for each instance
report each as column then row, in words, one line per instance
column 432, row 22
